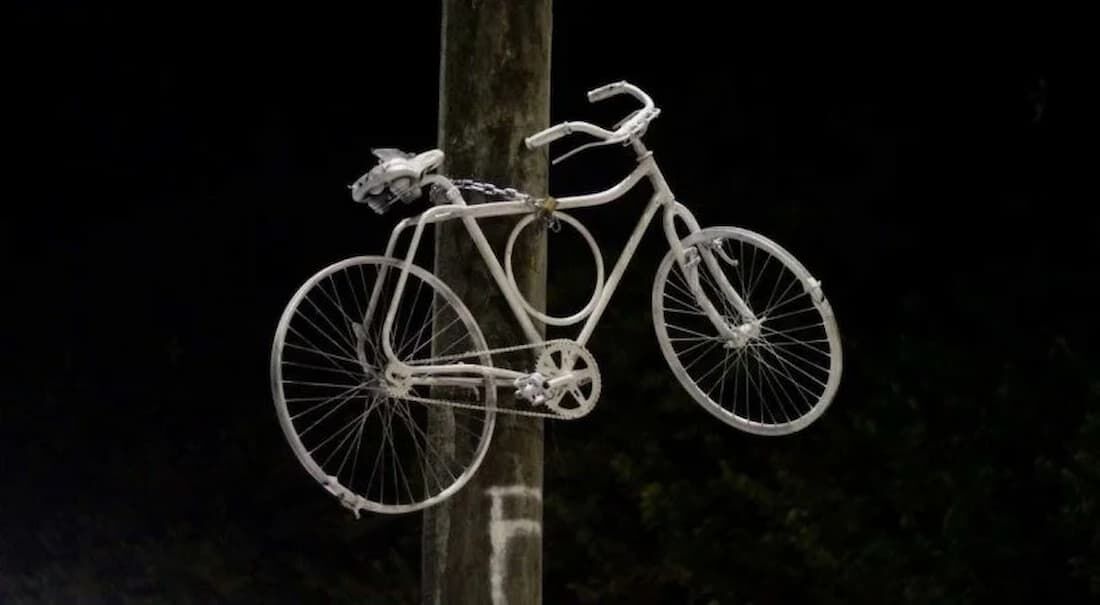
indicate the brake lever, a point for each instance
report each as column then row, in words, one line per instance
column 626, row 119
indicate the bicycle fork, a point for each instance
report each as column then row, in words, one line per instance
column 689, row 259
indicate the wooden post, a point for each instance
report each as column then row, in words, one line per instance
column 484, row 544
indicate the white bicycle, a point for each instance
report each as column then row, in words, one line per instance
column 388, row 393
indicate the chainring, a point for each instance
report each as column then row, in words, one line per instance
column 559, row 357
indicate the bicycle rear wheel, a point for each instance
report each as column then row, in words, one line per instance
column 372, row 447
column 779, row 380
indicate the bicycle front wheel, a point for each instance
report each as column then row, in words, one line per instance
column 786, row 370
column 374, row 446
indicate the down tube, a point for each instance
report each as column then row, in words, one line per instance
column 620, row 268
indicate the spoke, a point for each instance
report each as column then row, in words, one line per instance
column 426, row 467
column 746, row 275
column 749, row 381
column 428, row 442
column 775, row 352
column 359, row 309
column 772, row 305
column 726, row 303
column 765, row 379
column 699, row 381
column 684, row 352
column 784, row 333
column 699, row 334
column 803, row 343
column 339, row 347
column 325, row 316
column 366, row 293
column 785, row 371
column 415, row 341
column 387, row 446
column 685, row 312
column 771, row 317
column 299, row 364
column 373, row 339
column 355, row 456
column 685, row 290
column 361, row 420
column 702, row 355
column 461, row 338
column 779, row 305
column 805, row 395
column 476, row 416
column 396, row 459
column 317, row 351
column 377, row 459
column 404, row 475
column 350, row 428
column 721, row 382
column 436, row 335
column 333, row 436
column 759, row 277
column 775, row 290
column 340, row 305
column 350, row 391
column 772, row 381
column 788, row 363
column 326, row 415
column 364, row 323
column 321, row 384
column 737, row 362
column 350, row 321
column 411, row 308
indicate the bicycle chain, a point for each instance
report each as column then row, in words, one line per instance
column 546, row 214
column 492, row 190
column 459, row 404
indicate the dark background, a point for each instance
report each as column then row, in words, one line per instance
column 180, row 171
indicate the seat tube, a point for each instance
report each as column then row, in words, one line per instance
column 399, row 288
column 383, row 270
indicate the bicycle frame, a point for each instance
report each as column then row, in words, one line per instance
column 451, row 374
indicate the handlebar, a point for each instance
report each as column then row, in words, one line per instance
column 617, row 88
column 566, row 128
column 634, row 125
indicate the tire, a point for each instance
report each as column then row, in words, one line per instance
column 788, row 373
column 327, row 380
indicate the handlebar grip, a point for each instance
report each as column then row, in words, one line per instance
column 546, row 137
column 605, row 91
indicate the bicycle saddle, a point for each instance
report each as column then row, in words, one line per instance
column 396, row 177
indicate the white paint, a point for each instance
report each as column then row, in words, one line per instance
column 502, row 530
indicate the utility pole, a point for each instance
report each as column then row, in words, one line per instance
column 484, row 544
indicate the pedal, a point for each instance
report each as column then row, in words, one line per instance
column 531, row 387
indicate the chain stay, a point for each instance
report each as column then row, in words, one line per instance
column 460, row 404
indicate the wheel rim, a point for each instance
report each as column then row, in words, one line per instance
column 775, row 382
column 378, row 450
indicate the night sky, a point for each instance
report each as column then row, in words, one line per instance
column 180, row 172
